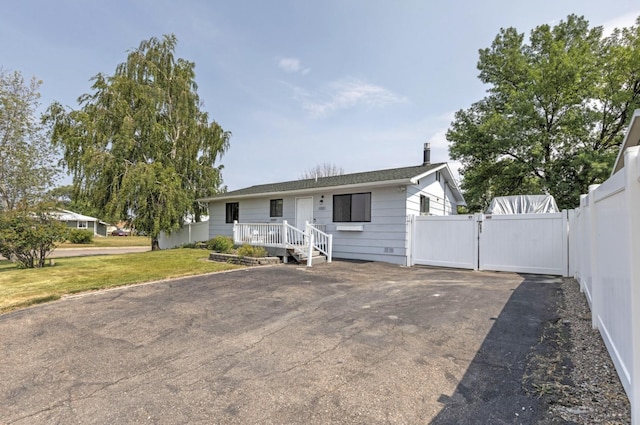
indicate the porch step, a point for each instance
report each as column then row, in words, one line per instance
column 316, row 256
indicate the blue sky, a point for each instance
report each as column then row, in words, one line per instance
column 361, row 84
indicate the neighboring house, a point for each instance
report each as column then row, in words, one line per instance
column 365, row 212
column 83, row 222
column 631, row 138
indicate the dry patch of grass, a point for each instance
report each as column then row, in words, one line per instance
column 24, row 287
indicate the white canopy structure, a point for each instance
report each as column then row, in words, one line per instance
column 523, row 204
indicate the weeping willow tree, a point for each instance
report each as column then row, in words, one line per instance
column 140, row 148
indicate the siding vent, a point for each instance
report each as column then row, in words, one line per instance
column 388, row 250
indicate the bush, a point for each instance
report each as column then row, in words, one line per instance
column 247, row 250
column 28, row 237
column 221, row 244
column 80, row 236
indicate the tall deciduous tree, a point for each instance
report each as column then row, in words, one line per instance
column 26, row 157
column 322, row 170
column 556, row 111
column 140, row 148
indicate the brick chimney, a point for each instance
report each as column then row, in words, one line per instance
column 427, row 154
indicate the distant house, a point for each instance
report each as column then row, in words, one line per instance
column 366, row 213
column 83, row 222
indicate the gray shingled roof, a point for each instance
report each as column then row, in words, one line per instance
column 342, row 180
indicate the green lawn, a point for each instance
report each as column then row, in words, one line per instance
column 111, row 242
column 23, row 287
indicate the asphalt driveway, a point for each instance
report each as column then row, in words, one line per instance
column 360, row 343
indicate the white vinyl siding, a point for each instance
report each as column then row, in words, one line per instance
column 439, row 194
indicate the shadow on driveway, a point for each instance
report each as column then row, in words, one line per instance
column 492, row 391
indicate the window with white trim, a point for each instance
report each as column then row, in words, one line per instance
column 354, row 207
column 83, row 225
column 232, row 212
column 424, row 205
column 275, row 208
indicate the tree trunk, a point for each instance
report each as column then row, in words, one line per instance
column 155, row 244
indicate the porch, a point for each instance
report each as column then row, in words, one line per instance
column 303, row 245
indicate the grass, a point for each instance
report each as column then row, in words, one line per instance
column 111, row 242
column 23, row 287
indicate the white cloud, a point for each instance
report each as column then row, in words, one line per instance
column 292, row 65
column 622, row 21
column 344, row 94
column 289, row 64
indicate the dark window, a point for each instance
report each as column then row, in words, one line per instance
column 233, row 211
column 352, row 207
column 275, row 208
column 424, row 205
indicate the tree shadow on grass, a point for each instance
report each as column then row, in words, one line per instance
column 494, row 389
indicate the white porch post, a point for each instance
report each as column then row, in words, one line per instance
column 284, row 233
column 330, row 248
column 235, row 231
column 310, row 249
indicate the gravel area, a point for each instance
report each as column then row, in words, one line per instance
column 571, row 368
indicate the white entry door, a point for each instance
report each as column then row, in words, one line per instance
column 304, row 211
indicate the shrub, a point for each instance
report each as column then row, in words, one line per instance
column 247, row 250
column 28, row 237
column 222, row 244
column 80, row 236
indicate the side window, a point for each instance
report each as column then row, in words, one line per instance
column 352, row 207
column 275, row 208
column 424, row 205
column 233, row 211
column 83, row 225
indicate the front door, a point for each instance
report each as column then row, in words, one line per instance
column 304, row 212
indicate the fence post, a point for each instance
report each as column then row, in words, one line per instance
column 632, row 190
column 478, row 219
column 565, row 241
column 596, row 281
column 410, row 237
column 582, row 241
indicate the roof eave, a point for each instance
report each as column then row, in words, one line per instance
column 414, row 180
column 384, row 183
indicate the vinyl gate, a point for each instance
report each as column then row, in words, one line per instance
column 522, row 243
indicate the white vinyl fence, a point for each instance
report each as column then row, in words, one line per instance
column 525, row 243
column 522, row 243
column 606, row 258
column 445, row 241
column 189, row 233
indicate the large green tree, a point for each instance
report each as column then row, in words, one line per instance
column 140, row 148
column 555, row 112
column 27, row 160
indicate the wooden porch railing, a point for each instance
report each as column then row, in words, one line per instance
column 283, row 235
